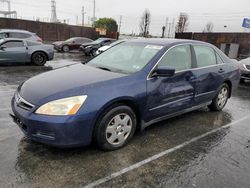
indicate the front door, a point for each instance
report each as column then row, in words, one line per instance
column 169, row 95
column 13, row 51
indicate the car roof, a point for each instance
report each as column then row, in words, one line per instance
column 165, row 42
column 14, row 30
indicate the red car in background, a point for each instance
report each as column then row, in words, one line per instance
column 70, row 44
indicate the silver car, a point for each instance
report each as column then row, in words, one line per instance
column 19, row 34
column 22, row 51
column 245, row 69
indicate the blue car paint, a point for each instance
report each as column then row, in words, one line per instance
column 153, row 99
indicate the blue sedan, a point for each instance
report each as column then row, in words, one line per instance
column 128, row 87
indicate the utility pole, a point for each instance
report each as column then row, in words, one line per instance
column 94, row 7
column 166, row 26
column 76, row 20
column 83, row 13
column 169, row 30
column 120, row 24
column 173, row 28
column 53, row 11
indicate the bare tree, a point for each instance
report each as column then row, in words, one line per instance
column 182, row 23
column 209, row 28
column 145, row 23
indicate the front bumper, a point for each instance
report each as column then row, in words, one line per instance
column 60, row 132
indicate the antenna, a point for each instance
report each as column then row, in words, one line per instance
column 53, row 18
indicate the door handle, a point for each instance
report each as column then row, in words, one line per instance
column 221, row 70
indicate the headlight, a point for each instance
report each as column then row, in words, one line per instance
column 62, row 107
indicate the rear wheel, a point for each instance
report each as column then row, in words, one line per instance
column 220, row 100
column 65, row 48
column 115, row 128
column 39, row 58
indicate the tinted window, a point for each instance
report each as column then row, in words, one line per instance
column 205, row 56
column 13, row 44
column 178, row 58
column 20, row 35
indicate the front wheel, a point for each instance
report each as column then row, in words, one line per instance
column 220, row 100
column 115, row 128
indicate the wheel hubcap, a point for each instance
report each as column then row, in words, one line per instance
column 222, row 97
column 39, row 59
column 119, row 129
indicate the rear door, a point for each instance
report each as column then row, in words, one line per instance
column 13, row 51
column 169, row 95
column 209, row 73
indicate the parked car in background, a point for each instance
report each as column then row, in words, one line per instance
column 70, row 44
column 91, row 48
column 104, row 48
column 19, row 34
column 245, row 69
column 130, row 86
column 24, row 51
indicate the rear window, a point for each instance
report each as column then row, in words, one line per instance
column 205, row 56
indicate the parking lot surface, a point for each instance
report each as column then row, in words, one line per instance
column 198, row 149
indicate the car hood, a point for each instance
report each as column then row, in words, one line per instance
column 89, row 44
column 64, row 82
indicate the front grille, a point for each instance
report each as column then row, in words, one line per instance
column 248, row 67
column 20, row 102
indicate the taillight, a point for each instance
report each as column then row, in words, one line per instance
column 39, row 39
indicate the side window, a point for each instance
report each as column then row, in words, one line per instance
column 19, row 35
column 4, row 35
column 178, row 58
column 205, row 56
column 219, row 60
column 13, row 44
column 31, row 43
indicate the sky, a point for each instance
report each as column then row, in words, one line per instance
column 226, row 15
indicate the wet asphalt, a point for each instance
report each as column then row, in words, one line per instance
column 202, row 148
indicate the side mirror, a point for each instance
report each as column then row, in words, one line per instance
column 3, row 47
column 163, row 72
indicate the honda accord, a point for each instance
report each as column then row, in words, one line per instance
column 128, row 87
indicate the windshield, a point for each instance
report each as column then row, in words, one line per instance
column 97, row 41
column 125, row 58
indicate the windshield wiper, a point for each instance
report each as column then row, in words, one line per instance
column 104, row 68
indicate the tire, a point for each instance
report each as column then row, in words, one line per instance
column 221, row 98
column 65, row 48
column 93, row 52
column 242, row 80
column 115, row 127
column 39, row 58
